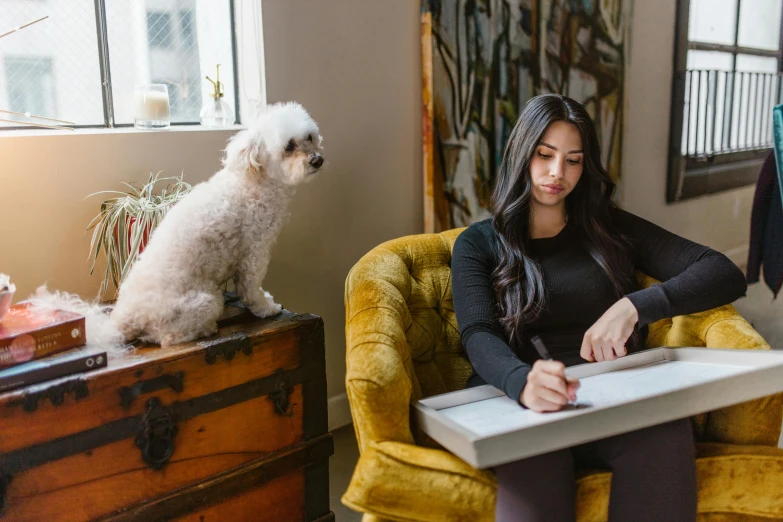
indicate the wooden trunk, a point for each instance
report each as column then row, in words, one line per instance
column 234, row 424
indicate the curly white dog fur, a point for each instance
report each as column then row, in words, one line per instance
column 223, row 228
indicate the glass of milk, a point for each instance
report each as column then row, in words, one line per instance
column 151, row 106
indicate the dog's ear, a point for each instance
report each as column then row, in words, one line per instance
column 246, row 150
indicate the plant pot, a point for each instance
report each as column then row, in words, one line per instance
column 129, row 216
column 130, row 222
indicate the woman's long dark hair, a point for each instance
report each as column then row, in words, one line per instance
column 517, row 280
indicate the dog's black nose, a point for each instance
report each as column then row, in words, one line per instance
column 316, row 161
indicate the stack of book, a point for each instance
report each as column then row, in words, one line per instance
column 37, row 345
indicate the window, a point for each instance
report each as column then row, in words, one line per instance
column 81, row 64
column 726, row 82
column 187, row 27
column 158, row 30
column 174, row 60
column 36, row 74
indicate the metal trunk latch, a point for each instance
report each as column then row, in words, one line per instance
column 280, row 395
column 156, row 435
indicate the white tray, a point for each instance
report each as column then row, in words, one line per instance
column 485, row 428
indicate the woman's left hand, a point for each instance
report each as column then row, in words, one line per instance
column 605, row 340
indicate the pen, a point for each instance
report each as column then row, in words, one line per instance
column 540, row 348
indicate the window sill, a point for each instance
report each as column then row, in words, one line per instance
column 717, row 174
column 102, row 131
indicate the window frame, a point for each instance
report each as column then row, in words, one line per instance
column 105, row 71
column 690, row 177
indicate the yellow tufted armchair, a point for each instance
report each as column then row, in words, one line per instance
column 402, row 344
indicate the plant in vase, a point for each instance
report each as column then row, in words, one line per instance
column 122, row 228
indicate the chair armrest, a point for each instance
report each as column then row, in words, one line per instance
column 756, row 422
column 379, row 376
column 753, row 422
column 744, row 481
column 398, row 481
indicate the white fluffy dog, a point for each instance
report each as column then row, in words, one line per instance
column 225, row 227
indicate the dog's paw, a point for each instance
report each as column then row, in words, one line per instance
column 266, row 311
column 172, row 339
column 267, row 307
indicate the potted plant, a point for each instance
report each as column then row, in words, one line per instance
column 122, row 228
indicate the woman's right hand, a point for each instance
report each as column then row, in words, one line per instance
column 548, row 388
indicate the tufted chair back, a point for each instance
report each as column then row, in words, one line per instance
column 412, row 276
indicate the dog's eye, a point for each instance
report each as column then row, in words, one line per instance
column 310, row 138
column 290, row 146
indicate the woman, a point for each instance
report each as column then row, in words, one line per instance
column 557, row 260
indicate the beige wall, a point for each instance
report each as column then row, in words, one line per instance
column 355, row 65
column 43, row 183
column 721, row 221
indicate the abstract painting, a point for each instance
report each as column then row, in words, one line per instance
column 483, row 60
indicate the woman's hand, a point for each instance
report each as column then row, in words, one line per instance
column 605, row 340
column 548, row 388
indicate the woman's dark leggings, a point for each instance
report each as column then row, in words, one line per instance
column 653, row 478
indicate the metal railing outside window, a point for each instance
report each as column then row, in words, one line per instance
column 728, row 111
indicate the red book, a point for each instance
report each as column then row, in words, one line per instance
column 27, row 334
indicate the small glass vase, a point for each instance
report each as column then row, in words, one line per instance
column 151, row 108
column 217, row 113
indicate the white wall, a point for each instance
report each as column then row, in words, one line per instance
column 721, row 221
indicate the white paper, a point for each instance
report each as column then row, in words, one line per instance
column 501, row 414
